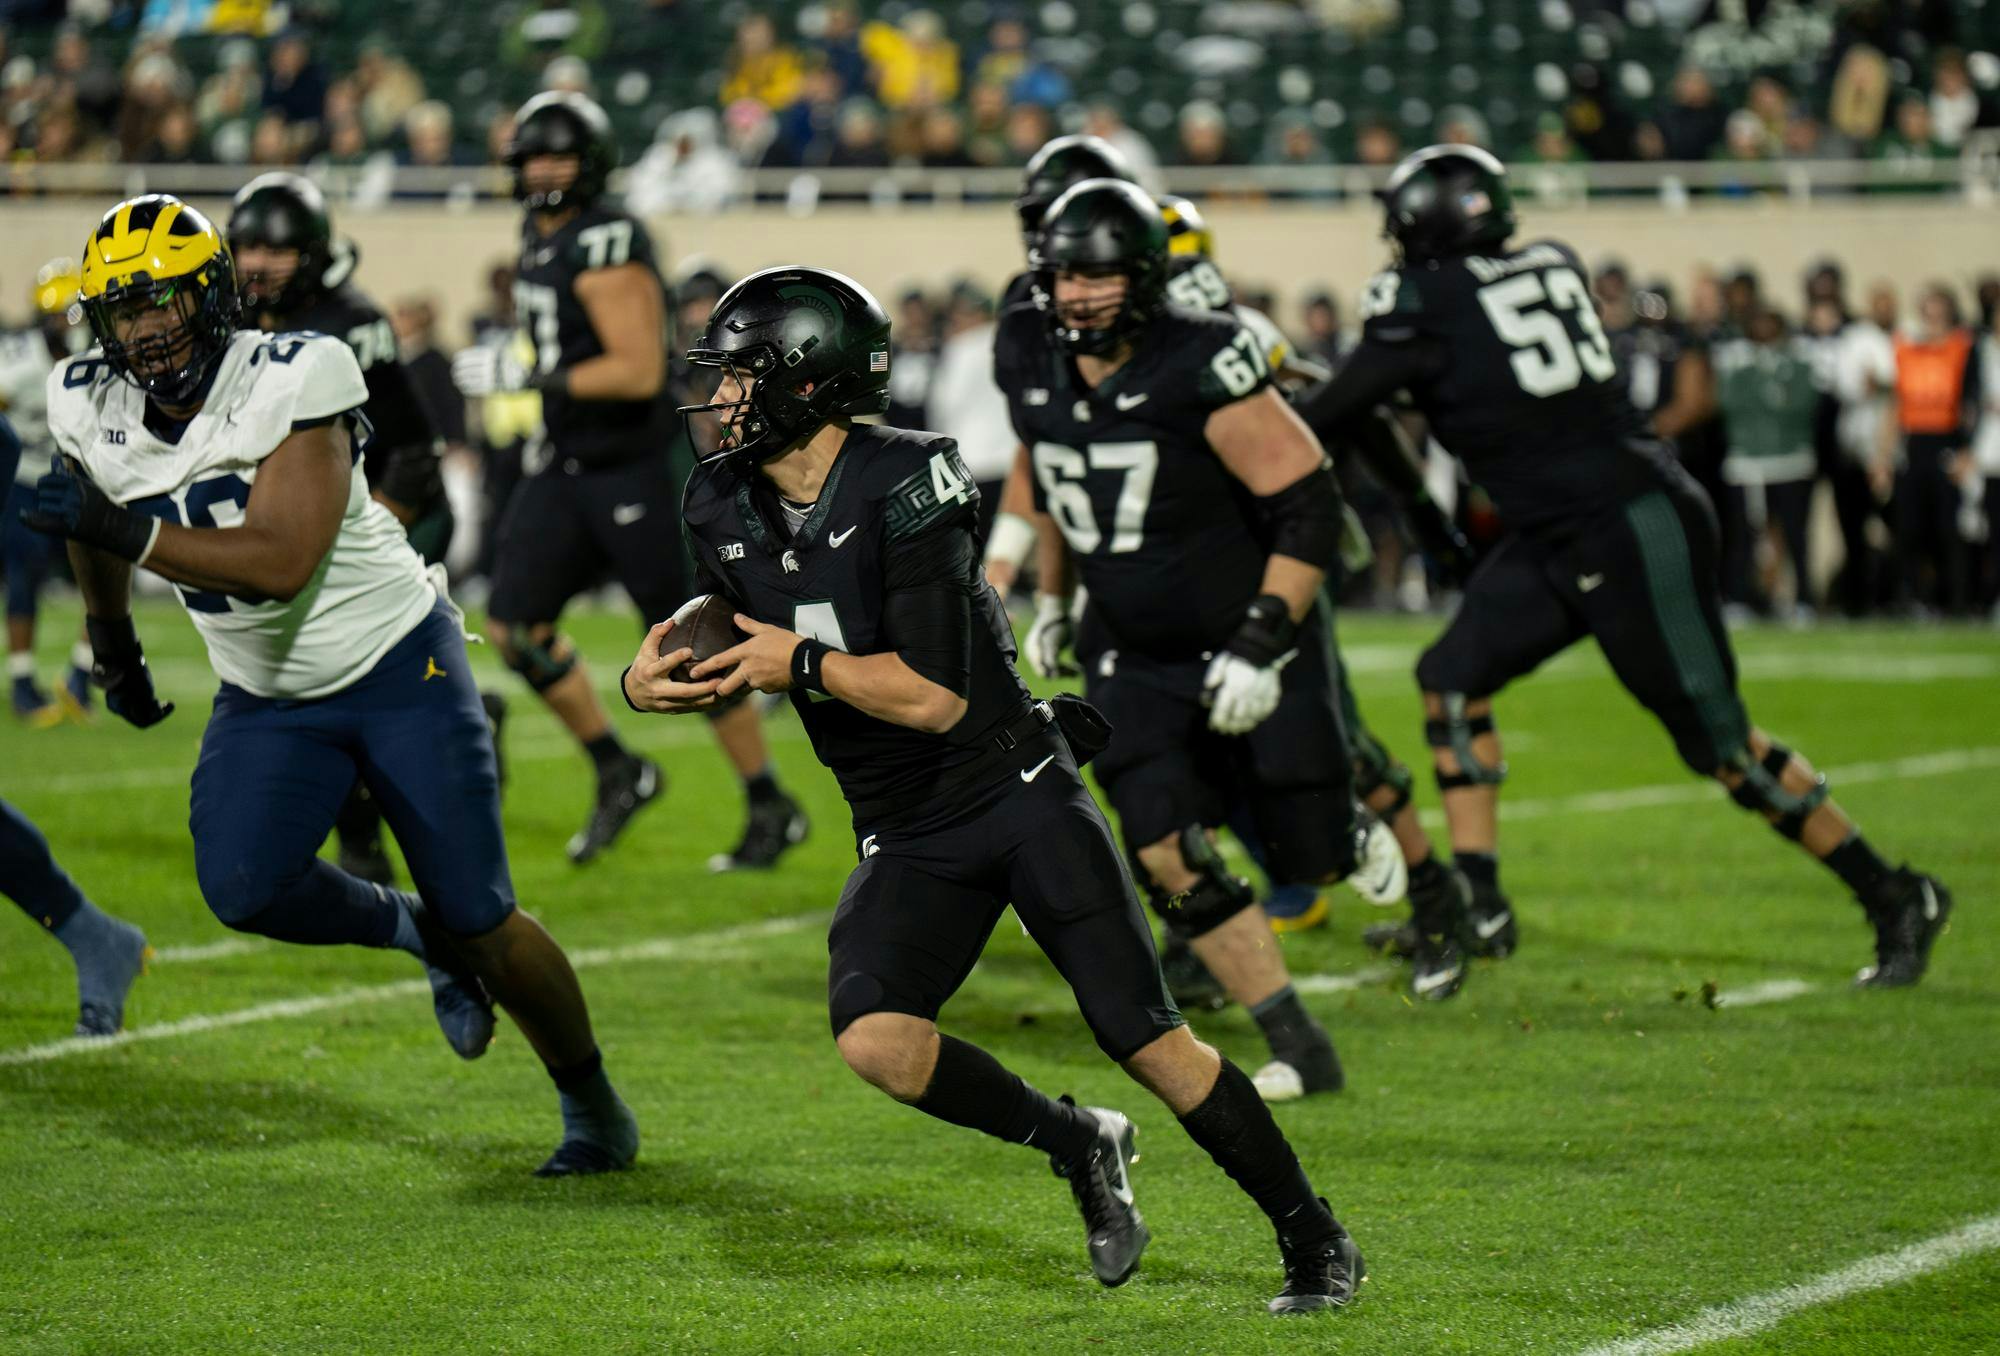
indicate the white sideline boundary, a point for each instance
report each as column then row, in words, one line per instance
column 697, row 944
column 1760, row 1313
column 1769, row 991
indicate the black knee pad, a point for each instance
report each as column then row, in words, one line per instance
column 536, row 660
column 1374, row 768
column 1217, row 896
column 1456, row 731
column 1762, row 789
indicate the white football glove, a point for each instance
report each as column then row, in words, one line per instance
column 1049, row 635
column 487, row 370
column 1239, row 693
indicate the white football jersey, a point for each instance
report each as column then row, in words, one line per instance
column 368, row 593
column 24, row 384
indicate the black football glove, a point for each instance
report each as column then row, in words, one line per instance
column 67, row 503
column 119, row 667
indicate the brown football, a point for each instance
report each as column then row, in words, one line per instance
column 707, row 624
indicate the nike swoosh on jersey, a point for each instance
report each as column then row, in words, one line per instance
column 627, row 514
column 837, row 538
column 1029, row 774
column 1586, row 582
column 1133, row 402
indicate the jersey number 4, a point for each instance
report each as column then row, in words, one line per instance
column 1548, row 361
column 1062, row 471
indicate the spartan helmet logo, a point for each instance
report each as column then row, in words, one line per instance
column 790, row 562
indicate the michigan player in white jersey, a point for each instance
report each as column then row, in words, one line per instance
column 229, row 463
column 26, row 355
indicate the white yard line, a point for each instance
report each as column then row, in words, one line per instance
column 228, row 946
column 1343, row 983
column 698, row 944
column 1768, row 991
column 1760, row 1313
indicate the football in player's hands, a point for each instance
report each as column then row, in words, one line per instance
column 706, row 624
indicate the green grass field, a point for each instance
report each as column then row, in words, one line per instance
column 1577, row 1149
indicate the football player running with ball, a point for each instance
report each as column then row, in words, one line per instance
column 596, row 492
column 226, row 461
column 1502, row 350
column 848, row 553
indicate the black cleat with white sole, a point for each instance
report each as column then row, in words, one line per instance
column 620, row 795
column 1909, row 910
column 1491, row 917
column 1102, row 1185
column 1440, row 916
column 774, row 824
column 1396, row 940
column 1323, row 1273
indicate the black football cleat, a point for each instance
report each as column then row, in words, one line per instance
column 1303, row 1070
column 1322, row 1274
column 458, row 996
column 773, row 825
column 1491, row 918
column 1194, row 989
column 620, row 795
column 1102, row 1185
column 105, row 978
column 1397, row 940
column 582, row 1158
column 1440, row 916
column 1909, row 911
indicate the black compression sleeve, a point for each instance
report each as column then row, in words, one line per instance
column 1372, row 373
column 1303, row 519
column 928, row 612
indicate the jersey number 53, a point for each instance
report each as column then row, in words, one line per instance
column 1548, row 358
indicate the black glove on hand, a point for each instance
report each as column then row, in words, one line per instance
column 119, row 668
column 68, row 503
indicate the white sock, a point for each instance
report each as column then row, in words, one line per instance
column 21, row 665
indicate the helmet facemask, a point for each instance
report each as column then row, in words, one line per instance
column 166, row 338
column 745, row 425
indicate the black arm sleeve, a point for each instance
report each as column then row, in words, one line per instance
column 1372, row 373
column 927, row 614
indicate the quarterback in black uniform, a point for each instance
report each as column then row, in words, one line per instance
column 1201, row 517
column 848, row 552
column 597, row 487
column 293, row 274
column 1503, row 352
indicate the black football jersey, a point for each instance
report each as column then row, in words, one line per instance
column 1166, row 540
column 394, row 412
column 594, row 432
column 887, row 488
column 1527, row 392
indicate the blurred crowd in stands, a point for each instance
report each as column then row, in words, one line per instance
column 836, row 84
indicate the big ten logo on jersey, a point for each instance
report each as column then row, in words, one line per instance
column 1241, row 365
column 372, row 343
column 1555, row 348
column 729, row 551
column 217, row 502
column 1200, row 288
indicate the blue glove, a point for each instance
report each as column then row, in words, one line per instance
column 120, row 669
column 68, row 503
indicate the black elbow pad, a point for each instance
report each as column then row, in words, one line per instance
column 1303, row 519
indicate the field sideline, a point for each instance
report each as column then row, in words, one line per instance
column 1580, row 1154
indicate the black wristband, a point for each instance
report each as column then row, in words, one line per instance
column 556, row 380
column 623, row 692
column 1267, row 631
column 808, row 662
column 113, row 640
